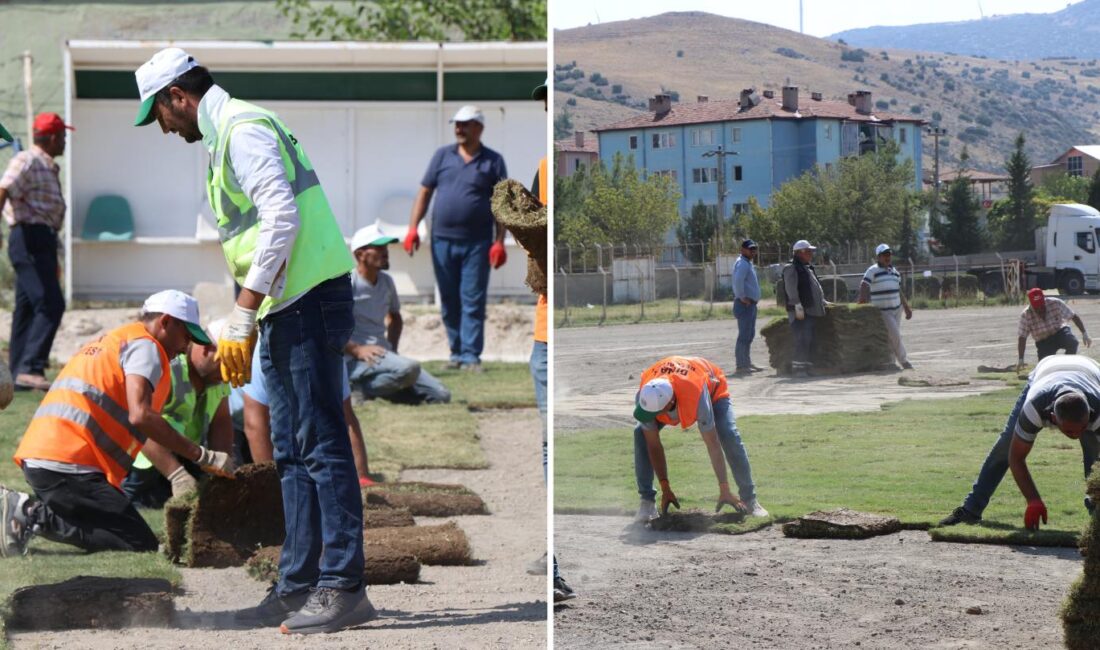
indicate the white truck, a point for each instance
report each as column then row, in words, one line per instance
column 1066, row 256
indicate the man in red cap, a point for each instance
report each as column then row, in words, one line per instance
column 1045, row 320
column 34, row 206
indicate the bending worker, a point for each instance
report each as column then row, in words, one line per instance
column 286, row 251
column 97, row 415
column 1045, row 320
column 1063, row 391
column 686, row 390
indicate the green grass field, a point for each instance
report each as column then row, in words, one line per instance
column 913, row 459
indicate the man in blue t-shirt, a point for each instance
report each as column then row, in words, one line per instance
column 466, row 239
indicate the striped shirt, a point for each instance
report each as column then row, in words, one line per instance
column 885, row 284
column 1051, row 378
column 34, row 190
column 1049, row 322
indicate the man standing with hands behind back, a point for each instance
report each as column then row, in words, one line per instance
column 464, row 244
column 746, row 293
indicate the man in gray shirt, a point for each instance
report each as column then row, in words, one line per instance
column 374, row 367
column 805, row 304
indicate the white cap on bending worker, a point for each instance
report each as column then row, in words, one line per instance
column 180, row 306
column 653, row 398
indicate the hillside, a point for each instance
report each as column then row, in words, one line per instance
column 983, row 103
column 1071, row 32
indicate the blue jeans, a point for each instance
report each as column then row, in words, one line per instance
column 398, row 378
column 462, row 275
column 538, row 374
column 39, row 303
column 803, row 333
column 996, row 463
column 301, row 357
column 746, row 332
column 1063, row 339
column 732, row 447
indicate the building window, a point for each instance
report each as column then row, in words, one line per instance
column 740, row 208
column 576, row 164
column 828, row 131
column 1074, row 166
column 902, row 135
column 702, row 137
column 633, row 142
column 666, row 173
column 735, row 134
column 704, row 175
column 737, row 172
column 664, row 140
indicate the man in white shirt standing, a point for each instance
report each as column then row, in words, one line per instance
column 881, row 286
column 284, row 248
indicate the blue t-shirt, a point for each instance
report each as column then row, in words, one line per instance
column 462, row 192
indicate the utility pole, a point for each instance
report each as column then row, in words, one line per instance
column 28, row 105
column 800, row 30
column 720, row 153
column 935, row 132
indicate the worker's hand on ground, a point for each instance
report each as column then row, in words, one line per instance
column 1036, row 509
column 908, row 312
column 1085, row 338
column 182, row 482
column 370, row 353
column 1019, row 364
column 726, row 498
column 218, row 463
column 668, row 498
column 497, row 255
column 412, row 241
column 799, row 312
column 238, row 338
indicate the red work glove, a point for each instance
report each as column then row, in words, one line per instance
column 1035, row 510
column 497, row 256
column 412, row 241
column 668, row 498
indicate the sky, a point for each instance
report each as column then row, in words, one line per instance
column 820, row 17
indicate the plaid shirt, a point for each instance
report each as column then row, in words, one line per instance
column 1052, row 320
column 34, row 190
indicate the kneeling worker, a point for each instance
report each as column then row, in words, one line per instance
column 198, row 409
column 686, row 390
column 1063, row 391
column 97, row 415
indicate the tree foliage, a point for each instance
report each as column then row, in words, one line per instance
column 1094, row 190
column 563, row 124
column 1063, row 188
column 597, row 205
column 418, row 20
column 960, row 233
column 697, row 228
column 1012, row 220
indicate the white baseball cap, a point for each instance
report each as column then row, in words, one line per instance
column 371, row 235
column 155, row 74
column 803, row 245
column 652, row 398
column 180, row 306
column 882, row 248
column 469, row 113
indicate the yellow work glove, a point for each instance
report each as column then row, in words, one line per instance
column 235, row 345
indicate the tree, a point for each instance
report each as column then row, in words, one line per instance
column 960, row 234
column 1063, row 188
column 907, row 235
column 563, row 125
column 1094, row 190
column 1016, row 230
column 698, row 228
column 418, row 20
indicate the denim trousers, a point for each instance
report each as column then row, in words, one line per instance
column 803, row 333
column 39, row 303
column 462, row 276
column 538, row 374
column 1063, row 339
column 746, row 331
column 301, row 358
column 996, row 463
column 397, row 378
column 732, row 447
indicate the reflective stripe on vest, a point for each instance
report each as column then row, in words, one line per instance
column 116, row 411
column 84, row 419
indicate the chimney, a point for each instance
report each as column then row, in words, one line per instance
column 746, row 98
column 815, row 96
column 790, row 98
column 769, row 94
column 861, row 99
column 702, row 99
column 578, row 138
column 660, row 104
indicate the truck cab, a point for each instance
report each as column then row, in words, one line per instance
column 1072, row 250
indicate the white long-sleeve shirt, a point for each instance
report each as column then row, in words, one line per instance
column 255, row 162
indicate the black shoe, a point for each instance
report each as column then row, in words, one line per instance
column 960, row 515
column 906, row 366
column 272, row 610
column 562, row 591
column 331, row 610
column 742, row 372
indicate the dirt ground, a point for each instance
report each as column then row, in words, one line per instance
column 493, row 604
column 643, row 589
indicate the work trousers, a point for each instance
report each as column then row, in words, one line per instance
column 462, row 276
column 803, row 334
column 746, row 332
column 398, row 379
column 892, row 319
column 86, row 511
column 1063, row 339
column 39, row 303
column 301, row 358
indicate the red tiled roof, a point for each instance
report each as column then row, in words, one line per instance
column 569, row 145
column 730, row 109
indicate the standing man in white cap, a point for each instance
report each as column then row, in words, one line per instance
column 285, row 249
column 686, row 391
column 83, row 439
column 466, row 239
column 805, row 303
column 881, row 286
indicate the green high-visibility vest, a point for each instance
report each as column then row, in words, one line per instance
column 319, row 251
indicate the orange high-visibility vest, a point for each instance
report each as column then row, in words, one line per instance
column 544, row 193
column 84, row 418
column 541, row 307
column 688, row 375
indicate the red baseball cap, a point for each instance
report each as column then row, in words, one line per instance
column 1036, row 298
column 47, row 123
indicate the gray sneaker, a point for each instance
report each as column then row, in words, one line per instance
column 15, row 533
column 272, row 610
column 331, row 610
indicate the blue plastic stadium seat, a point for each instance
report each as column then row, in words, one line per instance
column 109, row 219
